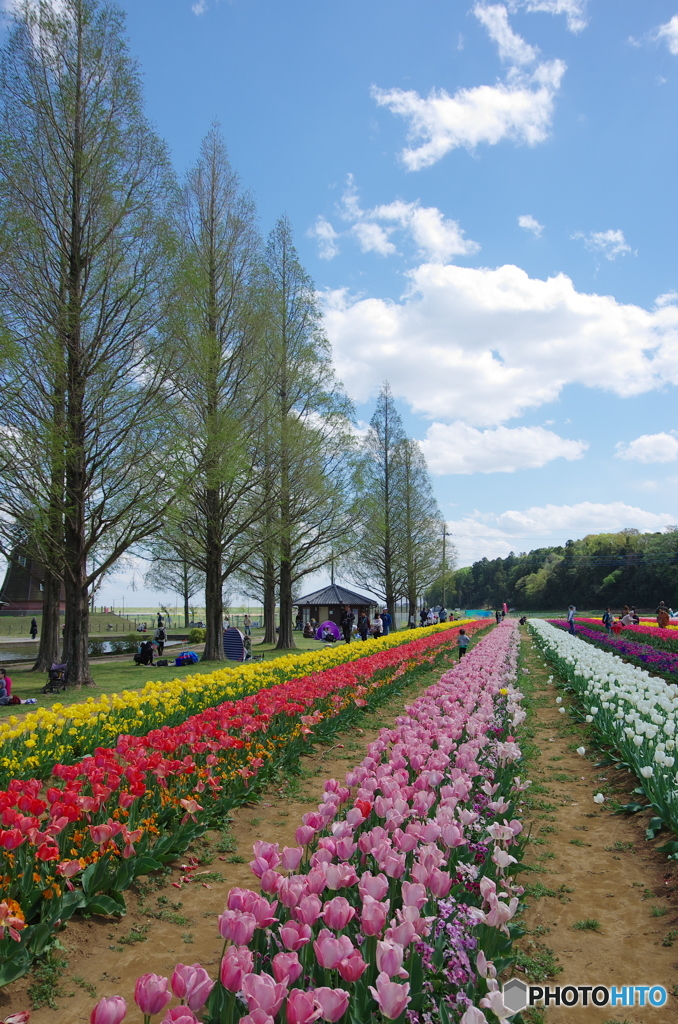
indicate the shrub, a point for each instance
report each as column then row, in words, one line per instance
column 196, row 636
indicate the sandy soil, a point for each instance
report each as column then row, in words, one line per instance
column 607, row 871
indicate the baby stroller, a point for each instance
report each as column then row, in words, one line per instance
column 57, row 678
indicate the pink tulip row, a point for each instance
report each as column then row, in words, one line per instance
column 411, row 857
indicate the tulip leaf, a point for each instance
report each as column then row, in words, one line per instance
column 653, row 829
column 105, row 905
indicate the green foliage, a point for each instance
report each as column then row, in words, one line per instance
column 44, row 986
column 196, row 635
column 588, row 924
column 596, row 571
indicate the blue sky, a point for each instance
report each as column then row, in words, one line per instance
column 485, row 196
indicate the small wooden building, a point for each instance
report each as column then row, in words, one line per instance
column 23, row 586
column 328, row 604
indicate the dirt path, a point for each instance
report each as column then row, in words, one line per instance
column 593, row 868
column 166, row 925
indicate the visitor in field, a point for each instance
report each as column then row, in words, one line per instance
column 627, row 618
column 608, row 619
column 160, row 638
column 34, row 628
column 363, row 624
column 308, row 630
column 462, row 642
column 431, row 618
column 663, row 617
column 617, row 626
column 423, row 615
column 411, row 622
column 442, row 615
column 386, row 622
column 377, row 626
column 347, row 620
column 299, row 621
column 497, row 616
column 247, row 624
column 145, row 654
column 571, row 612
column 5, row 687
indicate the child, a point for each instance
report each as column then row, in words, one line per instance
column 5, row 687
column 462, row 643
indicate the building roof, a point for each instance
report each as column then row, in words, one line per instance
column 334, row 594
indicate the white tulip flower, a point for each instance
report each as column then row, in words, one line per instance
column 581, row 750
column 599, row 798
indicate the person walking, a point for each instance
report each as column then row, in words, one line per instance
column 462, row 642
column 247, row 624
column 608, row 619
column 442, row 615
column 386, row 622
column 161, row 621
column 570, row 619
column 363, row 625
column 347, row 620
column 497, row 616
column 423, row 615
column 34, row 628
column 160, row 638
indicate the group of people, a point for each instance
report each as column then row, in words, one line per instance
column 149, row 649
column 628, row 617
column 380, row 625
column 430, row 617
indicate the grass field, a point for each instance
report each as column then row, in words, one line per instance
column 113, row 676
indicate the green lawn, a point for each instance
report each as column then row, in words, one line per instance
column 114, row 676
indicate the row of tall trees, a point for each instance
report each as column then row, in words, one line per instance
column 166, row 382
column 599, row 570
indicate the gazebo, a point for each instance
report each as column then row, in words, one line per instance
column 329, row 602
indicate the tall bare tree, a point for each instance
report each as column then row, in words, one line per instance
column 419, row 524
column 172, row 570
column 83, row 186
column 218, row 324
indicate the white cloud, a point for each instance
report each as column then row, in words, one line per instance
column 610, row 243
column 660, row 447
column 458, row 448
column 493, row 535
column 574, row 10
column 437, row 237
column 669, row 32
column 485, row 345
column 327, row 238
column 373, row 238
column 199, row 7
column 667, row 299
column 512, row 48
column 530, row 223
column 519, row 109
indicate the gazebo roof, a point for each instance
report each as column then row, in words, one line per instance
column 334, row 594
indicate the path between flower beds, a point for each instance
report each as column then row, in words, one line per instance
column 101, row 959
column 603, row 869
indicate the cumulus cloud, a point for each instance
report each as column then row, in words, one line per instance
column 662, row 447
column 669, row 32
column 327, row 238
column 530, row 223
column 458, row 448
column 437, row 237
column 519, row 109
column 609, row 243
column 495, row 534
column 512, row 48
column 485, row 345
column 574, row 10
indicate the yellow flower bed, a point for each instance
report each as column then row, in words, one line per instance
column 32, row 744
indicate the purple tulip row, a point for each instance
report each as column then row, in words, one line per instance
column 401, row 878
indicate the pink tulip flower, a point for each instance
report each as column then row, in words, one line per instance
column 330, row 951
column 352, row 967
column 473, row 1016
column 286, row 968
column 375, row 886
column 236, row 963
column 270, row 880
column 257, row 1017
column 309, row 910
column 337, row 913
column 263, row 993
column 439, row 883
column 237, row 927
column 295, row 935
column 180, row 1015
column 390, row 959
column 301, row 1008
column 191, row 984
column 304, row 834
column 332, row 1003
column 373, row 917
column 110, row 1010
column 291, row 858
column 152, row 993
column 414, row 894
column 391, row 998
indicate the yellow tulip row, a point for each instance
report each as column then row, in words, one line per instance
column 32, row 744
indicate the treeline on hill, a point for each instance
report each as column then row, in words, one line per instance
column 167, row 385
column 599, row 570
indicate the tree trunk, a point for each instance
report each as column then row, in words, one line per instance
column 269, row 600
column 76, row 632
column 48, row 651
column 186, row 612
column 214, row 606
column 286, row 635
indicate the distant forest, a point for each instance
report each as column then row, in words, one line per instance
column 601, row 569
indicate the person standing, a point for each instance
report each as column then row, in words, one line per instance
column 347, row 620
column 363, row 624
column 411, row 622
column 570, row 618
column 497, row 616
column 161, row 621
column 34, row 628
column 608, row 619
column 377, row 626
column 442, row 615
column 386, row 622
column 462, row 642
column 160, row 639
column 422, row 616
column 247, row 624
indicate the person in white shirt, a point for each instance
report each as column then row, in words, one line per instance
column 377, row 626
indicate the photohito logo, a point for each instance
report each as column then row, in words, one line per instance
column 517, row 995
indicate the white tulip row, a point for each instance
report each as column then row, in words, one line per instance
column 632, row 710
